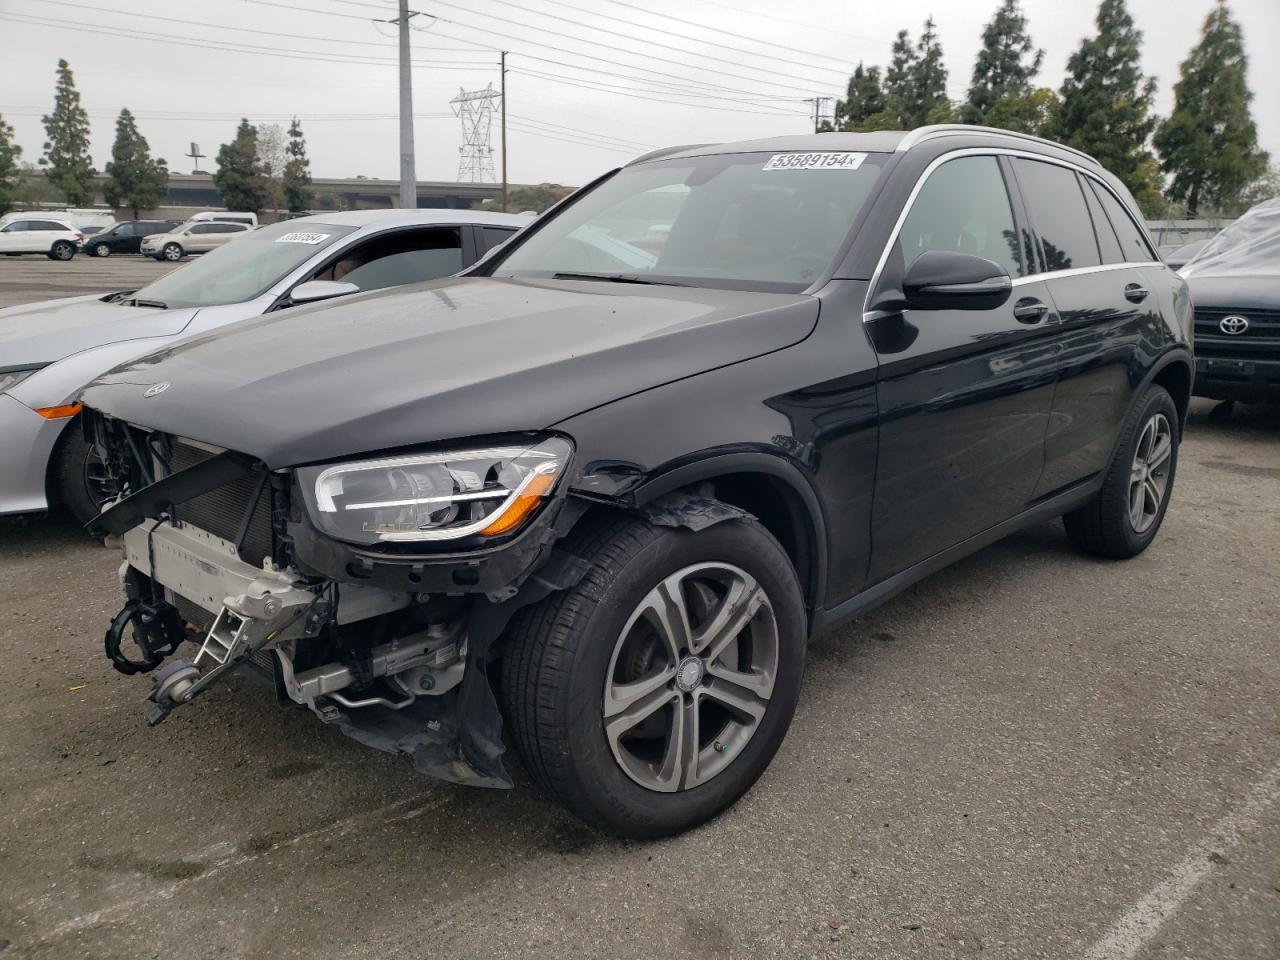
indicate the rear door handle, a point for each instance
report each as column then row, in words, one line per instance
column 1135, row 293
column 1029, row 310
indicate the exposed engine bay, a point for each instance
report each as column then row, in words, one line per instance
column 218, row 553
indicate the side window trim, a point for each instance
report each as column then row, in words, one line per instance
column 1137, row 223
column 1021, row 221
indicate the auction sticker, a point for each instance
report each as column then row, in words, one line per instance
column 299, row 237
column 815, row 161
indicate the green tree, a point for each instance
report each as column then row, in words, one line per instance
column 240, row 178
column 297, row 171
column 1106, row 103
column 10, row 168
column 66, row 153
column 134, row 179
column 1266, row 187
column 1005, row 66
column 928, row 101
column 1033, row 112
column 863, row 99
column 898, row 81
column 1209, row 144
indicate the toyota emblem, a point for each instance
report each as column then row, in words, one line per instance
column 157, row 388
column 1233, row 325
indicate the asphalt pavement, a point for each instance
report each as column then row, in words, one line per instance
column 1031, row 754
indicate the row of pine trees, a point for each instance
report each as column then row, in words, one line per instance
column 1206, row 157
column 256, row 169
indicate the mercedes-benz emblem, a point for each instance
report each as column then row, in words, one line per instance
column 1233, row 325
column 157, row 388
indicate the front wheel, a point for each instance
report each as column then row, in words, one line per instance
column 171, row 252
column 1123, row 519
column 652, row 695
column 101, row 250
column 80, row 476
column 62, row 250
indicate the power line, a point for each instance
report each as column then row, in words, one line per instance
column 613, row 47
column 602, row 88
column 230, row 117
column 795, row 23
column 547, row 123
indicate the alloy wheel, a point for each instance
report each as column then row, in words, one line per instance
column 690, row 677
column 1149, row 475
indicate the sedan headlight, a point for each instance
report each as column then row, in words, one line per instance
column 435, row 496
column 11, row 378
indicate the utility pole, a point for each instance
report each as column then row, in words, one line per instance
column 504, row 130
column 408, row 179
column 817, row 111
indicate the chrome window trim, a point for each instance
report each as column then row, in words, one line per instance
column 869, row 314
column 933, row 131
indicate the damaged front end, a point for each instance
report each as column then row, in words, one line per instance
column 369, row 592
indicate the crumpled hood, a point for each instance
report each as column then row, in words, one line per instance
column 449, row 359
column 45, row 332
column 1235, row 293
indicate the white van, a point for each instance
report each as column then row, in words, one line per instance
column 225, row 216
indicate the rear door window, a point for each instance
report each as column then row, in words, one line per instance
column 963, row 208
column 1132, row 242
column 1059, row 215
column 493, row 236
column 405, row 257
column 47, row 225
column 1108, row 243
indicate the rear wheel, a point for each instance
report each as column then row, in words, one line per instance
column 80, row 476
column 101, row 250
column 62, row 250
column 171, row 252
column 1126, row 514
column 653, row 694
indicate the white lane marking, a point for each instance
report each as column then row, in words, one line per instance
column 1144, row 919
column 337, row 828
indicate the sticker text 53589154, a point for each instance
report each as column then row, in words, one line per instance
column 815, row 161
column 302, row 237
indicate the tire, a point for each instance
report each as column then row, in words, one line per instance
column 563, row 655
column 101, row 250
column 62, row 250
column 1111, row 525
column 72, row 469
column 171, row 252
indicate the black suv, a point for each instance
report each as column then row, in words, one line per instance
column 126, row 236
column 603, row 487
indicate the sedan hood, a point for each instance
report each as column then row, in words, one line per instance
column 36, row 333
column 449, row 359
column 1235, row 293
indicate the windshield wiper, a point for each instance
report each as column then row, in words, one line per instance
column 158, row 304
column 617, row 278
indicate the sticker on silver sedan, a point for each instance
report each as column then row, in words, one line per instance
column 300, row 237
column 815, row 161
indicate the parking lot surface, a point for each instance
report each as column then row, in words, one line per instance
column 1031, row 754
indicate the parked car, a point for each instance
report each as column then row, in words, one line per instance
column 194, row 236
column 1235, row 282
column 127, row 236
column 225, row 216
column 49, row 351
column 56, row 239
column 626, row 491
column 1179, row 256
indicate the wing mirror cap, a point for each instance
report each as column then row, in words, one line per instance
column 314, row 290
column 943, row 280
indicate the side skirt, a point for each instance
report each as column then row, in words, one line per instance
column 1054, row 506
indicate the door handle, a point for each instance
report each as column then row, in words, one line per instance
column 1135, row 293
column 1029, row 310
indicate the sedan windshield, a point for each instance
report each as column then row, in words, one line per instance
column 245, row 267
column 750, row 221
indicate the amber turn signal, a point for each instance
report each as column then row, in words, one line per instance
column 60, row 412
column 538, row 487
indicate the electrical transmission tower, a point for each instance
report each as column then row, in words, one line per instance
column 475, row 156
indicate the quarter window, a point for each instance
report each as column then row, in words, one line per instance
column 496, row 235
column 964, row 208
column 1060, row 216
column 1107, row 241
column 1132, row 241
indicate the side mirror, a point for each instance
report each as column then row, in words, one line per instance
column 942, row 280
column 314, row 290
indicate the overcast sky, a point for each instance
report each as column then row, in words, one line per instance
column 591, row 82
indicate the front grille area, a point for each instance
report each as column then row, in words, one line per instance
column 1261, row 341
column 221, row 511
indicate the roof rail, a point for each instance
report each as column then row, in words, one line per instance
column 664, row 152
column 920, row 134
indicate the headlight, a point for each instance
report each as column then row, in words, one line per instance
column 436, row 496
column 11, row 378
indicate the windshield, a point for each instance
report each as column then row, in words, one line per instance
column 752, row 221
column 1247, row 247
column 244, row 267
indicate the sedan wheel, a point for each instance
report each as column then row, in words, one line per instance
column 172, row 252
column 62, row 250
column 101, row 250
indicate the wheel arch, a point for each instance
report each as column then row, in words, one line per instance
column 1176, row 374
